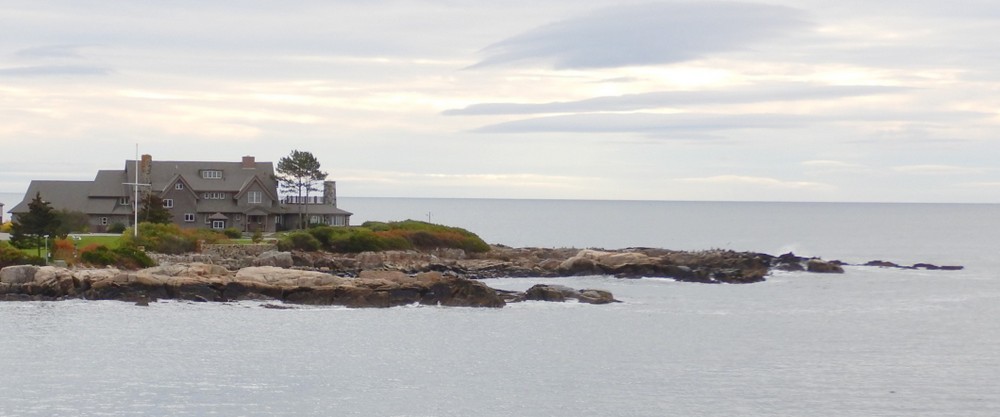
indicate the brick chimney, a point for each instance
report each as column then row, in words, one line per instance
column 145, row 168
column 249, row 162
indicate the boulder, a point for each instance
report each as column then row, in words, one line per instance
column 275, row 258
column 823, row 267
column 18, row 274
column 560, row 293
column 288, row 277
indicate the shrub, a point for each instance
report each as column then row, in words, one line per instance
column 124, row 257
column 117, row 228
column 10, row 255
column 97, row 255
column 6, row 227
column 232, row 233
column 170, row 238
column 257, row 236
column 299, row 240
column 65, row 250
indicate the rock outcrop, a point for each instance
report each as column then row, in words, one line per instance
column 202, row 282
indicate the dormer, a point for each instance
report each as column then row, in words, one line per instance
column 210, row 174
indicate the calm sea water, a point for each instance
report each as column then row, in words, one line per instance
column 871, row 342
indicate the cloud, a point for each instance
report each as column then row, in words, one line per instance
column 639, row 122
column 646, row 34
column 53, row 70
column 651, row 123
column 756, row 181
column 51, row 51
column 631, row 102
column 931, row 169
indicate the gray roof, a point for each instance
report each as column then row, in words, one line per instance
column 110, row 183
column 61, row 195
column 234, row 176
column 314, row 209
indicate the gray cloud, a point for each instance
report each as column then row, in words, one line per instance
column 655, row 123
column 51, row 51
column 631, row 102
column 646, row 34
column 53, row 70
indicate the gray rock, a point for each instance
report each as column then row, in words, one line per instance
column 275, row 258
column 18, row 274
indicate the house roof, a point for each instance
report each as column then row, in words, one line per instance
column 314, row 209
column 110, row 183
column 234, row 176
column 61, row 195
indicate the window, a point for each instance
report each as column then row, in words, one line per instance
column 179, row 186
column 189, row 217
column 218, row 224
column 277, row 219
column 215, row 196
column 239, row 217
column 168, row 203
column 123, row 201
column 104, row 221
column 254, row 197
column 315, row 220
column 207, row 220
column 211, row 174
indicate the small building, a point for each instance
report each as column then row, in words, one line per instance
column 208, row 194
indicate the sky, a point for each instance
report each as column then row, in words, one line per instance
column 784, row 100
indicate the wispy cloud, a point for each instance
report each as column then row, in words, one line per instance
column 54, row 70
column 51, row 51
column 938, row 169
column 756, row 181
column 631, row 102
column 645, row 34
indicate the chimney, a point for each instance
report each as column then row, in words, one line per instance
column 330, row 193
column 249, row 162
column 146, row 168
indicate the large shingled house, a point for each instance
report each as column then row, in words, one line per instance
column 207, row 194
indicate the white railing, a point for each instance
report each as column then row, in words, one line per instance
column 293, row 199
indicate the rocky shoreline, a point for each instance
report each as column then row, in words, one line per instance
column 387, row 279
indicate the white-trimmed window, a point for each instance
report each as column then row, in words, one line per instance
column 179, row 186
column 211, row 174
column 254, row 197
column 104, row 221
column 189, row 217
column 214, row 196
column 124, row 201
column 168, row 203
column 218, row 224
column 277, row 219
column 315, row 220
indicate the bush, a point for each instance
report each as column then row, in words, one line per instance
column 117, row 228
column 299, row 240
column 257, row 236
column 6, row 227
column 124, row 257
column 379, row 236
column 232, row 233
column 10, row 255
column 64, row 250
column 170, row 238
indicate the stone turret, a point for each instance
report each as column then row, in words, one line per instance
column 330, row 193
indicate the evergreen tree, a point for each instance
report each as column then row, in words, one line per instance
column 299, row 172
column 30, row 228
column 152, row 210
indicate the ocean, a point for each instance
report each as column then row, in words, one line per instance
column 870, row 342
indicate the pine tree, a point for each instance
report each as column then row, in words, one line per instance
column 152, row 210
column 29, row 228
column 298, row 172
